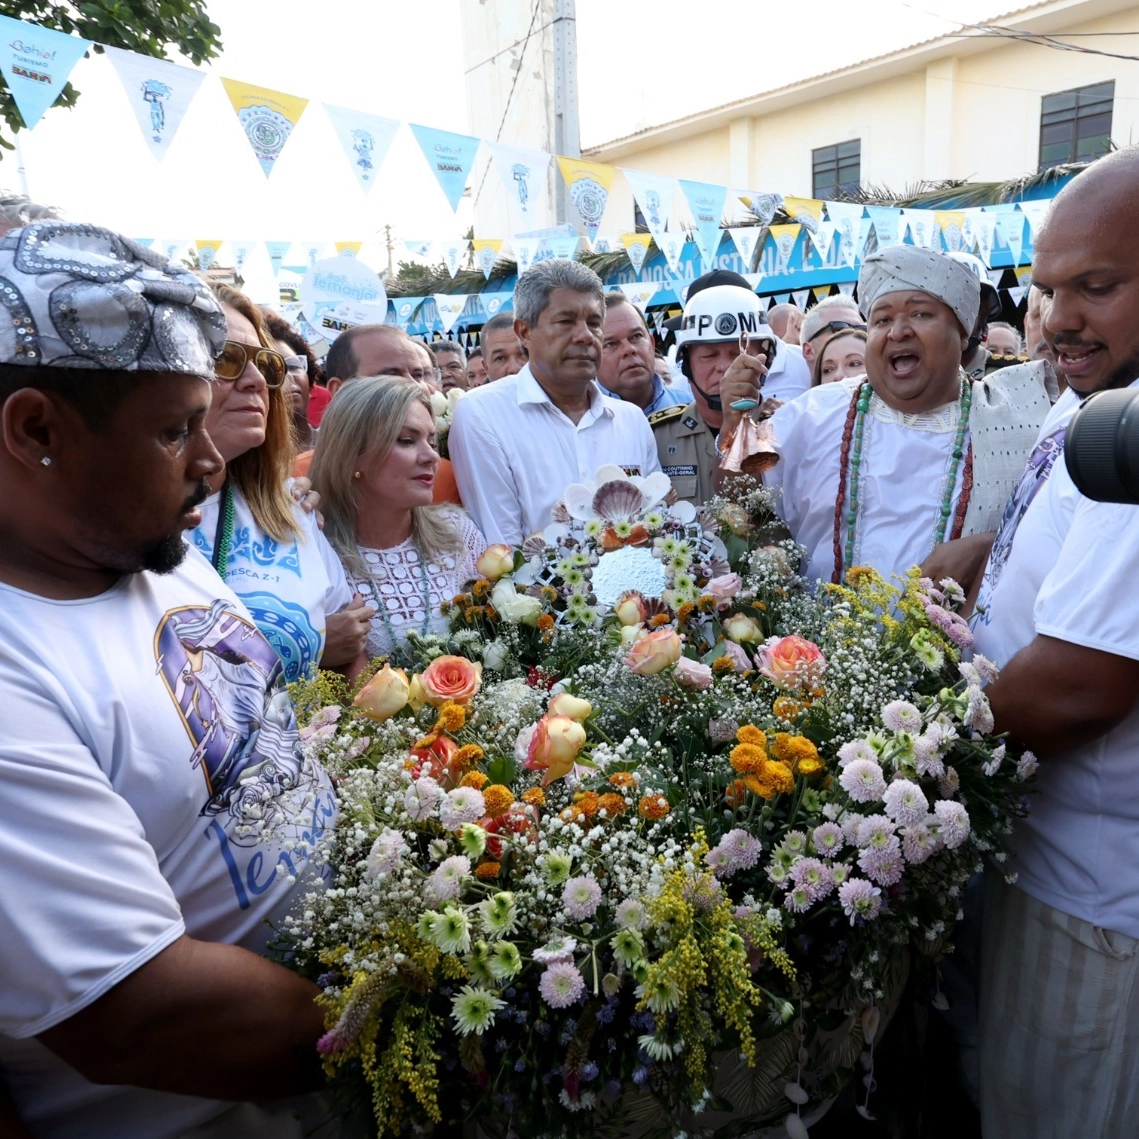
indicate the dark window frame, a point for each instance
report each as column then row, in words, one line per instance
column 840, row 164
column 1075, row 125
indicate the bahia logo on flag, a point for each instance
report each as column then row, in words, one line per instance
column 36, row 62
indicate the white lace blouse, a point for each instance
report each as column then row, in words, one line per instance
column 396, row 581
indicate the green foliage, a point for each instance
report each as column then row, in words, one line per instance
column 149, row 27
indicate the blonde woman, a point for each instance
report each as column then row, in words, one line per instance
column 267, row 548
column 375, row 466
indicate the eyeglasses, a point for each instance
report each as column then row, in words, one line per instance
column 234, row 356
column 296, row 364
column 835, row 326
column 428, row 374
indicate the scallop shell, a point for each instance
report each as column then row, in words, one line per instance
column 617, row 500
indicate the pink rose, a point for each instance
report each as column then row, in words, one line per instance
column 791, row 663
column 724, row 587
column 654, row 653
column 740, row 660
column 692, row 673
column 450, row 678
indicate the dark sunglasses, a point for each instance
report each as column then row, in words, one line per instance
column 836, row 326
column 234, row 356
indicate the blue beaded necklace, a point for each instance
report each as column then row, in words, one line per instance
column 853, row 434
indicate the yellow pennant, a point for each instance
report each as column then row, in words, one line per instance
column 486, row 253
column 797, row 207
column 351, row 248
column 267, row 117
column 821, row 291
column 589, row 184
column 784, row 237
column 637, row 247
column 207, row 248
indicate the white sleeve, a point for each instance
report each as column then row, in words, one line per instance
column 486, row 482
column 339, row 591
column 1088, row 597
column 83, row 903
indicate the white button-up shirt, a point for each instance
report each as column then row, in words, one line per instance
column 789, row 374
column 514, row 451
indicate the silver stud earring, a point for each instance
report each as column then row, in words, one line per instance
column 46, row 461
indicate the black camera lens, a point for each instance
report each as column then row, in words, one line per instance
column 1102, row 447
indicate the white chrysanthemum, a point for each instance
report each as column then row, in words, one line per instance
column 631, row 914
column 451, row 932
column 473, row 1010
column 918, row 842
column 385, row 854
column 902, row 716
column 856, row 749
column 581, row 897
column 1026, row 766
column 993, row 764
column 953, row 822
column 499, row 914
column 863, row 781
column 556, row 949
column 905, row 802
column 421, row 798
column 462, row 805
column 447, row 880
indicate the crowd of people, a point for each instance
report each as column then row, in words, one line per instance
column 199, row 512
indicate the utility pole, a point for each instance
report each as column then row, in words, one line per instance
column 389, row 243
column 567, row 137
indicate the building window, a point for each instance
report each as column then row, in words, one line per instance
column 837, row 169
column 1075, row 126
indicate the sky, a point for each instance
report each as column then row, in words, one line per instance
column 639, row 62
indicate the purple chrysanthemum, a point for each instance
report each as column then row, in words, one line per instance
column 561, row 984
column 863, row 781
column 581, row 896
column 953, row 822
column 860, row 899
column 905, row 802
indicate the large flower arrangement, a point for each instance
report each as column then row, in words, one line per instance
column 651, row 861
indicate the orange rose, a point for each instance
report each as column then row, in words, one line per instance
column 654, row 653
column 554, row 746
column 436, row 758
column 791, row 663
column 384, row 695
column 450, row 678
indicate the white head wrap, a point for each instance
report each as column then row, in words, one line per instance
column 906, row 268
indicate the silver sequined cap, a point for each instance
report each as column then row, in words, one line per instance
column 79, row 296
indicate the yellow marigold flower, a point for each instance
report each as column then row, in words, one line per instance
column 572, row 814
column 780, row 776
column 810, row 766
column 587, row 803
column 475, row 779
column 750, row 734
column 451, row 718
column 488, row 869
column 762, row 605
column 761, row 787
column 792, row 749
column 723, row 664
column 748, row 759
column 857, row 576
column 684, row 612
column 460, row 599
column 612, row 804
column 545, row 622
column 481, row 588
column 622, row 779
column 653, row 807
column 534, row 797
column 659, row 620
column 498, row 798
column 705, row 602
column 787, row 708
column 445, row 608
column 468, row 755
column 427, row 741
column 549, row 594
column 469, row 613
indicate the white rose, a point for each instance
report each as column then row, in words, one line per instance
column 515, row 607
column 494, row 655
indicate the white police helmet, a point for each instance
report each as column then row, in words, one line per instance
column 721, row 313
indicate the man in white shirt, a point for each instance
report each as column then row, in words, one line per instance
column 1060, row 974
column 518, row 443
column 879, row 470
column 157, row 811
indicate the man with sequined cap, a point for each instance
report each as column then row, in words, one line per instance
column 158, row 814
column 882, row 469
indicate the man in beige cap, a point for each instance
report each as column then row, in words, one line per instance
column 881, row 470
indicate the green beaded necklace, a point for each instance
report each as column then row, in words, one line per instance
column 223, row 535
column 855, row 430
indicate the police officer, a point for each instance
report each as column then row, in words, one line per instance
column 708, row 351
column 977, row 361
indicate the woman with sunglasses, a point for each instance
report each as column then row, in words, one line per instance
column 843, row 354
column 270, row 551
column 303, row 374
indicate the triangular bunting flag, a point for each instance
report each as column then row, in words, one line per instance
column 799, row 296
column 706, row 203
column 207, row 251
column 1010, row 225
column 951, row 222
column 406, row 309
column 922, row 227
column 158, row 91
column 995, row 277
column 746, row 238
column 640, row 293
column 658, row 318
column 450, row 306
column 781, row 298
column 173, row 247
column 654, row 194
column 762, row 206
column 846, row 287
column 822, row 238
column 365, row 139
column 241, row 250
column 525, row 178
column 589, row 184
column 563, row 245
column 36, row 61
column 267, row 117
column 801, row 208
column 637, row 247
column 348, row 248
column 1024, row 275
column 417, row 248
column 785, row 237
column 753, row 280
column 486, row 253
column 277, row 251
column 821, row 291
column 984, row 230
column 1017, row 293
column 450, row 157
column 887, row 222
column 313, row 250
column 1035, row 213
column 525, row 251
column 451, row 253
column 672, row 247
column 145, row 242
column 847, row 217
column 606, row 244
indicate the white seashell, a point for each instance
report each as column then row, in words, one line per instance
column 796, row 1093
column 795, row 1127
column 655, row 487
column 578, row 499
column 870, row 1020
column 617, row 500
column 683, row 512
column 608, row 472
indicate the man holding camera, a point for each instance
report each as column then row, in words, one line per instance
column 1060, row 973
